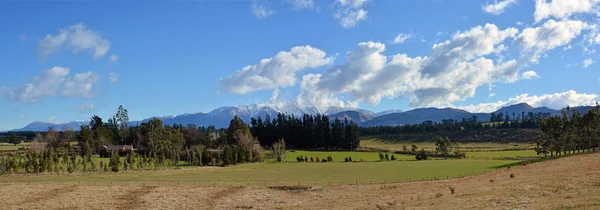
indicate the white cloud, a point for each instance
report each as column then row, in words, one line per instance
column 80, row 85
column 85, row 108
column 301, row 4
column 352, row 3
column 349, row 18
column 278, row 71
column 76, row 37
column 113, row 58
column 519, row 23
column 401, row 38
column 497, row 8
column 350, row 12
column 529, row 75
column 562, row 8
column 552, row 34
column 261, row 11
column 587, row 62
column 567, row 48
column 451, row 72
column 47, row 84
column 554, row 101
column 491, row 95
column 113, row 77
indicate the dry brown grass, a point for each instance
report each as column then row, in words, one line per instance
column 547, row 185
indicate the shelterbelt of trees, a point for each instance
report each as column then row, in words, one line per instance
column 570, row 133
column 307, row 132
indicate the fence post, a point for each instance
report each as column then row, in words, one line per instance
column 342, row 182
column 315, row 183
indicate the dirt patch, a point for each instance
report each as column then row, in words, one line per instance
column 49, row 194
column 293, row 188
column 212, row 200
column 132, row 197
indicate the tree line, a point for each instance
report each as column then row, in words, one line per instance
column 524, row 121
column 307, row 132
column 570, row 132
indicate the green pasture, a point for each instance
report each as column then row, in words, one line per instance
column 279, row 173
column 340, row 156
column 378, row 143
column 522, row 154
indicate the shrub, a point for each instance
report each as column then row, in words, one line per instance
column 329, row 158
column 312, row 160
column 451, row 189
column 393, row 157
column 387, row 157
column 346, row 159
column 305, row 158
column 350, row 159
column 381, row 157
column 317, row 160
column 512, row 176
column 115, row 162
column 421, row 155
column 324, row 160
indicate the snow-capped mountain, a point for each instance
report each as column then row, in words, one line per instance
column 391, row 111
column 221, row 117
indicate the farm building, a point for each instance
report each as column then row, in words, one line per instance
column 106, row 151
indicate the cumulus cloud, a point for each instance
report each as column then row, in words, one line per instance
column 350, row 12
column 552, row 34
column 80, row 85
column 113, row 77
column 497, row 7
column 529, row 75
column 452, row 71
column 261, row 11
column 278, row 71
column 301, row 4
column 349, row 18
column 76, row 37
column 587, row 62
column 352, row 3
column 401, row 38
column 562, row 8
column 554, row 101
column 47, row 84
column 85, row 108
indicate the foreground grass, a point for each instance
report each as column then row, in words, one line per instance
column 280, row 174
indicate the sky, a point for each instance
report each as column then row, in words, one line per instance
column 69, row 60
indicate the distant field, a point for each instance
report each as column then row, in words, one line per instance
column 5, row 146
column 282, row 173
column 340, row 156
column 523, row 154
column 376, row 142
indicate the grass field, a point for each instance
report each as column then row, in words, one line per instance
column 282, row 173
column 554, row 184
column 340, row 156
column 375, row 142
column 523, row 154
column 5, row 146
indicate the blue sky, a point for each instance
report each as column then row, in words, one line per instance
column 173, row 57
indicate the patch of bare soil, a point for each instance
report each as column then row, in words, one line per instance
column 565, row 183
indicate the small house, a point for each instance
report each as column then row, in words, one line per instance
column 107, row 150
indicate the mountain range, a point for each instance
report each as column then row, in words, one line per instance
column 221, row 117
